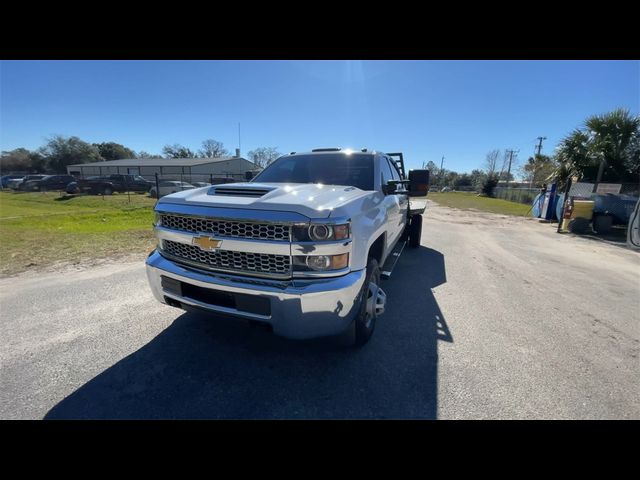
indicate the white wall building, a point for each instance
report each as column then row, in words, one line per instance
column 198, row 168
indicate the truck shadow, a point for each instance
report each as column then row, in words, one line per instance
column 204, row 367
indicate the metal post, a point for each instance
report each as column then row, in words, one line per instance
column 126, row 185
column 157, row 186
column 603, row 162
column 564, row 203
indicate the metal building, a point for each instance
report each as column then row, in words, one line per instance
column 228, row 167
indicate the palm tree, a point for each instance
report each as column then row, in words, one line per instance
column 610, row 137
column 573, row 157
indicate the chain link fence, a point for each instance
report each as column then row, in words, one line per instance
column 171, row 183
column 519, row 195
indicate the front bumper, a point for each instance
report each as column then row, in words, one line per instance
column 299, row 309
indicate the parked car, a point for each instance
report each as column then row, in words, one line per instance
column 106, row 185
column 4, row 180
column 201, row 184
column 170, row 186
column 49, row 182
column 19, row 183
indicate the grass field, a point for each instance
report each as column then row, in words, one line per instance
column 40, row 229
column 470, row 200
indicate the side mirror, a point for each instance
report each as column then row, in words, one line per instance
column 390, row 188
column 418, row 183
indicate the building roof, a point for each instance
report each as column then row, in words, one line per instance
column 157, row 162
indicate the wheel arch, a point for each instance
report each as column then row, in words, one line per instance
column 376, row 250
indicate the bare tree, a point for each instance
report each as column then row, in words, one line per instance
column 213, row 149
column 491, row 161
column 263, row 156
column 177, row 151
column 144, row 154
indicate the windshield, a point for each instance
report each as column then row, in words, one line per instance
column 330, row 169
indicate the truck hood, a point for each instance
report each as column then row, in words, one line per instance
column 311, row 200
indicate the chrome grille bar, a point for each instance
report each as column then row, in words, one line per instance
column 226, row 260
column 226, row 228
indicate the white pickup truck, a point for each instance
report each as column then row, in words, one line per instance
column 300, row 249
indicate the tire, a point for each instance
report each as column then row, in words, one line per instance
column 602, row 223
column 579, row 225
column 107, row 191
column 415, row 231
column 365, row 323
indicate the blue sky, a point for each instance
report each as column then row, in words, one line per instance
column 459, row 109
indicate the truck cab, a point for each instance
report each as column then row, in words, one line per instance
column 301, row 248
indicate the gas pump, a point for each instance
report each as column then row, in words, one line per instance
column 549, row 202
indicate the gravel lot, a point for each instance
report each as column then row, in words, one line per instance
column 493, row 317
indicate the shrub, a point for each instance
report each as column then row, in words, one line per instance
column 489, row 184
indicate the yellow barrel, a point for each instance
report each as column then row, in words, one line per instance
column 582, row 209
column 579, row 209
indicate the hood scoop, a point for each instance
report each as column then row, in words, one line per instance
column 239, row 191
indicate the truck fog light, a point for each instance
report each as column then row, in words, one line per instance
column 319, row 262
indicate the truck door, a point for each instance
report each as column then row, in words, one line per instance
column 395, row 204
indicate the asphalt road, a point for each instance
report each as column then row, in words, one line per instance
column 493, row 317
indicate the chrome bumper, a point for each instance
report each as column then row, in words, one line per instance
column 298, row 308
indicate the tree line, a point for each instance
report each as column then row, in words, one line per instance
column 60, row 151
column 607, row 145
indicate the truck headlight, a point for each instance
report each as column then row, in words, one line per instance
column 157, row 219
column 320, row 263
column 320, row 232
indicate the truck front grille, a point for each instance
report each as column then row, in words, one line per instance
column 242, row 262
column 224, row 228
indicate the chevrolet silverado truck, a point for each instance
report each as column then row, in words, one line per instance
column 301, row 248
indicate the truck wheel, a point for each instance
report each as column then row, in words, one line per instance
column 107, row 191
column 372, row 304
column 415, row 231
column 602, row 223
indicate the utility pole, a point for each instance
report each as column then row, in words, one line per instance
column 539, row 147
column 239, row 145
column 510, row 152
column 441, row 171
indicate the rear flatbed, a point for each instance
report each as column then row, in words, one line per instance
column 417, row 206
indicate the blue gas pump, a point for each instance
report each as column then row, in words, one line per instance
column 549, row 202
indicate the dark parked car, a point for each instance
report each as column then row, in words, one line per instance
column 106, row 185
column 50, row 182
column 18, row 183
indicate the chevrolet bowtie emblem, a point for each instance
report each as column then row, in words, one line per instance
column 208, row 244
